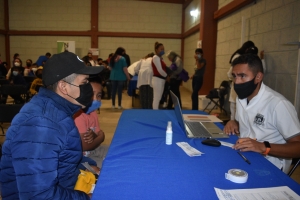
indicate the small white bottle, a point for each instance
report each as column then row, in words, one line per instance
column 169, row 133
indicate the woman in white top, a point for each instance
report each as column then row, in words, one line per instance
column 144, row 82
column 159, row 74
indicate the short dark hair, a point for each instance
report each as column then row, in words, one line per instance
column 95, row 79
column 48, row 54
column 99, row 59
column 199, row 50
column 252, row 60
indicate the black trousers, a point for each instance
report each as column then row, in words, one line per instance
column 146, row 96
column 196, row 84
column 174, row 87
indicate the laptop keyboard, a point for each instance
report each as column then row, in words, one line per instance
column 197, row 129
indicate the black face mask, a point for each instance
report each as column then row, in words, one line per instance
column 244, row 90
column 28, row 64
column 86, row 94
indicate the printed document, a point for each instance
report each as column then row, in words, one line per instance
column 272, row 193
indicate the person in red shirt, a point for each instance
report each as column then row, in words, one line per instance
column 159, row 74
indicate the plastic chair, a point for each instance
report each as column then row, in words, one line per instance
column 220, row 94
column 7, row 113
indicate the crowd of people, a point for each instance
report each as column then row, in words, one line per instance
column 58, row 129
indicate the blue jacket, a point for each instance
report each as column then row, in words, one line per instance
column 42, row 151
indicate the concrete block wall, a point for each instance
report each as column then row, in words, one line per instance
column 2, row 15
column 31, row 47
column 67, row 15
column 190, row 44
column 190, row 21
column 136, row 48
column 139, row 16
column 2, row 48
column 270, row 24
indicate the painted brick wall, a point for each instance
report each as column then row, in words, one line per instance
column 190, row 44
column 34, row 46
column 189, row 20
column 139, row 16
column 136, row 48
column 49, row 15
column 2, row 48
column 270, row 24
column 2, row 15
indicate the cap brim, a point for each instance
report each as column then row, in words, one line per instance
column 90, row 70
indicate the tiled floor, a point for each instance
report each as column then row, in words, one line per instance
column 109, row 118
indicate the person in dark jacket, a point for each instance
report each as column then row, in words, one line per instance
column 42, row 151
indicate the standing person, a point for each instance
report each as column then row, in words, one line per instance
column 232, row 95
column 159, row 74
column 88, row 126
column 175, row 80
column 118, row 75
column 145, row 73
column 42, row 59
column 42, row 150
column 197, row 78
column 90, row 56
column 266, row 121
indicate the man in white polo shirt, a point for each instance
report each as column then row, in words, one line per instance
column 267, row 121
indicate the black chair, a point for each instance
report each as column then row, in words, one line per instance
column 7, row 113
column 14, row 91
column 217, row 96
column 297, row 162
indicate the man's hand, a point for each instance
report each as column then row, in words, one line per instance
column 232, row 127
column 89, row 136
column 248, row 144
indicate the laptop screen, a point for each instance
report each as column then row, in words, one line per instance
column 178, row 112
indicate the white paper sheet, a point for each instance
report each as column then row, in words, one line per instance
column 200, row 118
column 273, row 193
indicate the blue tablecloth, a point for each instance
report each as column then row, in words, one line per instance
column 132, row 86
column 139, row 165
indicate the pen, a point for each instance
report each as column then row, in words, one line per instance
column 244, row 157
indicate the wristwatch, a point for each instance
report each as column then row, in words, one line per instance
column 268, row 148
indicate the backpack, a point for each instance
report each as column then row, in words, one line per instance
column 184, row 75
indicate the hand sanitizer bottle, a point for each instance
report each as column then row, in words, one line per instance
column 169, row 133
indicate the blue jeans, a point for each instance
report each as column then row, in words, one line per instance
column 117, row 86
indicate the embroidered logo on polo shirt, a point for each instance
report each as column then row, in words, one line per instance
column 259, row 119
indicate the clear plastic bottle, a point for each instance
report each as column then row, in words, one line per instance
column 169, row 133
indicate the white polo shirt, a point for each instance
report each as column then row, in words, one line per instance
column 268, row 117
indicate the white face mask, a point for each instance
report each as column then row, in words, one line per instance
column 17, row 64
column 34, row 69
column 199, row 56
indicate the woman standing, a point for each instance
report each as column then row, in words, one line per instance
column 145, row 74
column 198, row 77
column 159, row 74
column 175, row 79
column 119, row 74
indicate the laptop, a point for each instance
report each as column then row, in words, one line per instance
column 196, row 129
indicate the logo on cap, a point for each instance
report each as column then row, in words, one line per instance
column 79, row 59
